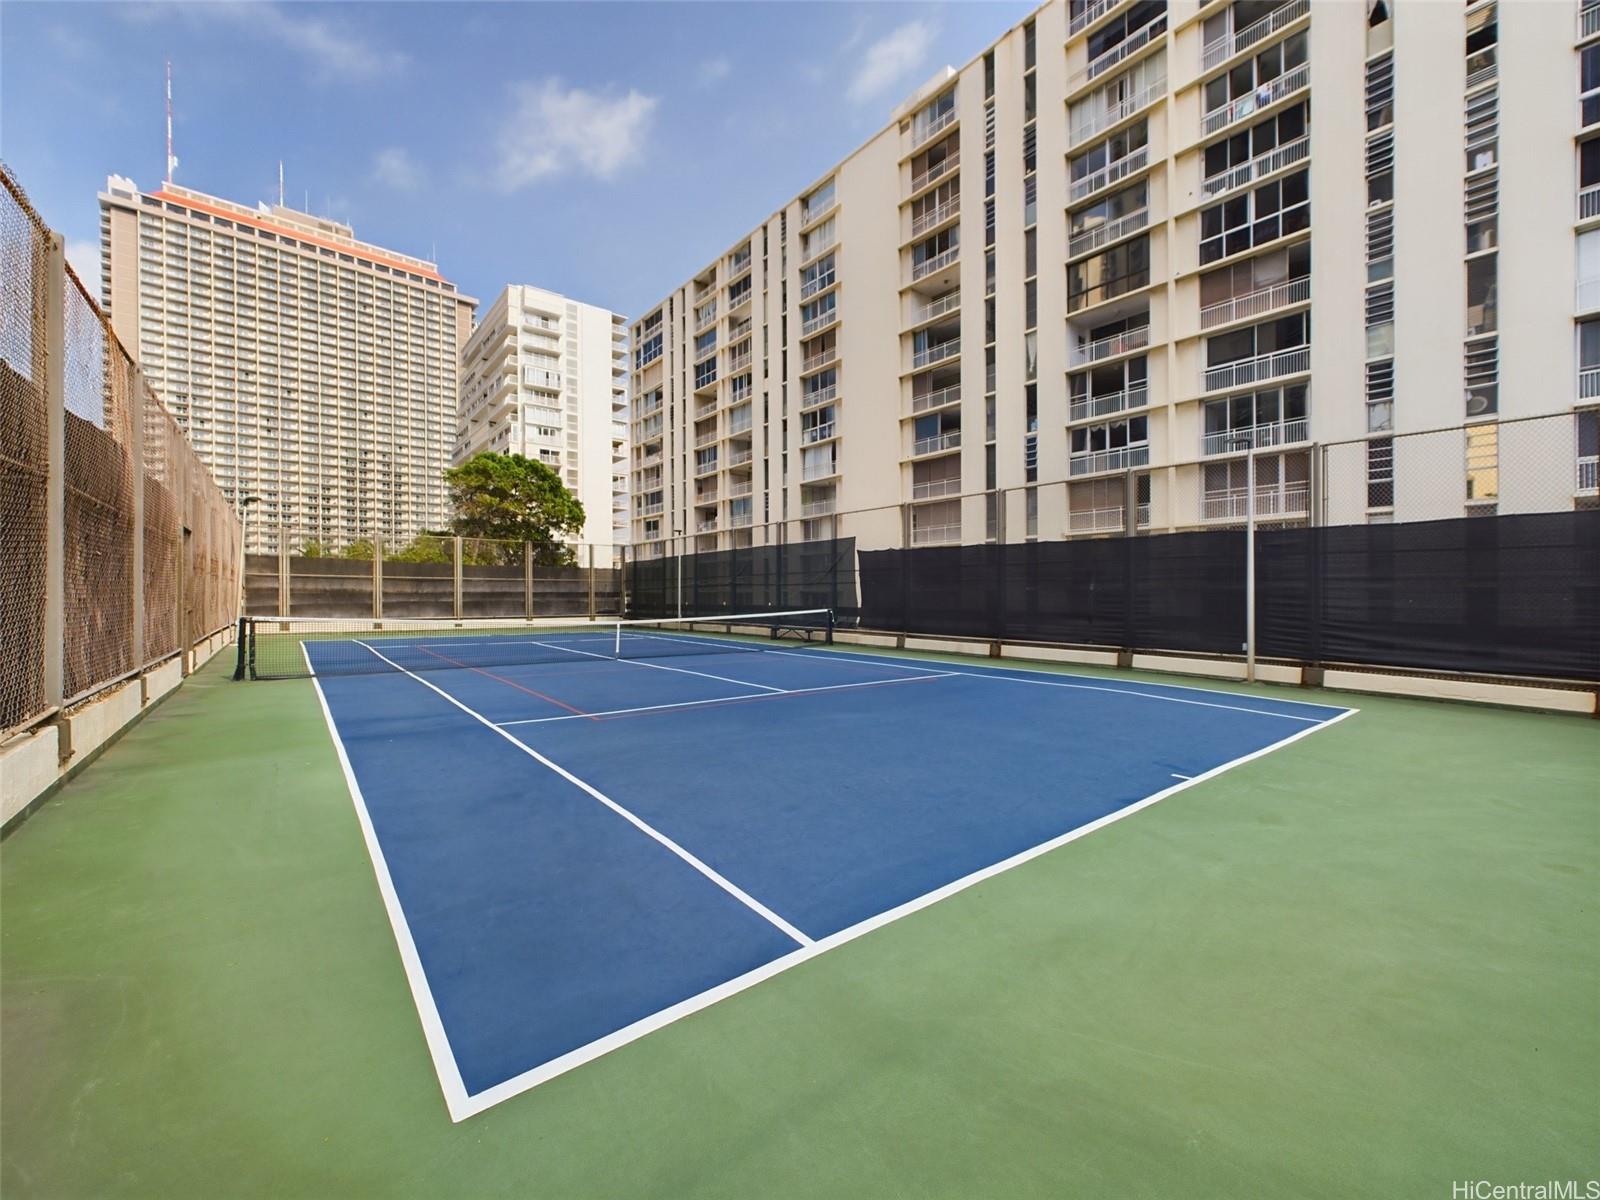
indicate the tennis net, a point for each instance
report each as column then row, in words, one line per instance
column 298, row 647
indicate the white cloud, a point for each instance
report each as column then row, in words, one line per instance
column 334, row 48
column 395, row 168
column 84, row 255
column 889, row 58
column 715, row 70
column 554, row 130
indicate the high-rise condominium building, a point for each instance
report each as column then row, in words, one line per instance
column 311, row 371
column 1131, row 241
column 546, row 377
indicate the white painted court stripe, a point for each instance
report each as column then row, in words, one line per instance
column 832, row 687
column 489, row 1097
column 644, row 827
column 978, row 673
column 639, row 662
column 456, row 1101
column 1175, row 775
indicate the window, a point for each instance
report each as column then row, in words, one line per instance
column 934, row 116
column 1482, row 377
column 1589, row 86
column 1380, row 319
column 1270, row 337
column 1130, row 24
column 1482, row 36
column 1269, row 417
column 1115, row 149
column 1254, row 218
column 1380, row 169
column 1120, row 98
column 1483, row 462
column 818, row 202
column 1111, row 446
column 1380, row 92
column 1380, row 473
column 1256, row 274
column 1108, row 389
column 1123, row 268
column 1482, row 212
column 1287, row 126
column 817, row 276
column 1029, row 50
column 1113, row 208
column 1481, row 295
column 1483, row 128
column 1380, row 244
column 1380, row 395
column 1248, row 85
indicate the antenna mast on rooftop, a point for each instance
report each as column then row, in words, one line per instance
column 280, row 183
column 172, row 159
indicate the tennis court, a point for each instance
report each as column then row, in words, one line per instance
column 584, row 835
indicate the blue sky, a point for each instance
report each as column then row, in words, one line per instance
column 606, row 150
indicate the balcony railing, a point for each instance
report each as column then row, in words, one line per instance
column 1588, row 294
column 935, row 216
column 1097, row 520
column 1253, row 304
column 935, row 535
column 706, row 526
column 735, row 428
column 938, row 398
column 1127, row 47
column 1225, row 48
column 1589, row 201
column 808, row 290
column 936, row 443
column 1108, row 174
column 1118, row 459
column 1263, row 366
column 921, row 270
column 1272, row 500
column 1112, row 402
column 705, row 439
column 932, row 489
column 737, row 458
column 741, row 488
column 811, row 215
column 936, row 171
column 814, row 249
column 738, row 266
column 704, row 316
column 1117, row 343
column 741, row 299
column 649, row 460
column 929, row 355
column 737, row 364
column 1588, row 383
column 820, row 396
column 1588, row 472
column 937, row 307
column 817, row 433
column 820, row 359
column 739, row 520
column 819, row 322
column 705, row 467
column 650, row 510
column 1100, row 235
column 1589, row 20
column 1270, row 433
column 706, row 407
column 818, row 508
column 1089, row 15
column 921, row 131
column 708, row 496
column 1120, row 111
column 1270, row 93
column 821, row 470
column 1274, row 160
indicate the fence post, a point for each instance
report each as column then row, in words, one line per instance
column 592, row 613
column 377, row 578
column 527, row 580
column 135, row 382
column 1000, row 499
column 185, row 629
column 905, row 571
column 284, row 598
column 55, row 402
column 622, row 581
column 456, row 580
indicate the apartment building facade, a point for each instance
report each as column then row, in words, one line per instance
column 315, row 374
column 547, row 377
column 1070, row 289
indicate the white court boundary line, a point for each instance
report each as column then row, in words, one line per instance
column 638, row 662
column 646, row 708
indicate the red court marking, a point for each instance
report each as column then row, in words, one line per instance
column 507, row 682
column 854, row 687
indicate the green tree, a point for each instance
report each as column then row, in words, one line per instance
column 425, row 548
column 360, row 549
column 313, row 548
column 515, row 499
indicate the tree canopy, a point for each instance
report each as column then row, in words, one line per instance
column 514, row 499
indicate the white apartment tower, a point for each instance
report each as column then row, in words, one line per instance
column 311, row 371
column 546, row 377
column 1068, row 287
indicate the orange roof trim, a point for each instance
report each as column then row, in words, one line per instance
column 297, row 235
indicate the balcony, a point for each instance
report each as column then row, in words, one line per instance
column 817, row 433
column 1225, row 48
column 937, row 444
column 1589, row 199
column 739, row 520
column 1272, row 501
column 1084, row 353
column 1112, row 519
column 921, row 270
column 650, row 510
column 1589, row 473
column 1114, row 114
column 706, row 526
column 1105, row 405
column 1588, row 383
column 738, row 266
column 936, row 171
column 820, row 396
column 933, row 489
column 813, row 250
column 1254, row 304
column 705, row 439
column 1103, row 235
column 1262, row 165
column 737, row 458
column 1588, row 21
column 936, row 215
column 738, row 364
column 810, row 216
column 740, row 488
column 808, row 290
column 818, row 508
column 1108, row 174
column 820, row 359
column 819, row 322
column 1119, row 458
column 1089, row 16
column 921, row 131
column 821, row 470
column 936, row 308
column 735, row 428
column 706, row 407
column 706, row 496
column 704, row 316
column 1272, row 433
column 937, row 353
column 1263, row 97
column 1588, row 294
column 936, row 535
column 705, row 466
column 938, row 398
column 1127, row 47
column 1293, row 361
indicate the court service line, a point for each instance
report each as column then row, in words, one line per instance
column 574, row 710
column 718, row 700
column 644, row 827
column 1087, row 687
column 658, row 666
column 456, row 1101
column 546, row 1071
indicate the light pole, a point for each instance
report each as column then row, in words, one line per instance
column 1247, row 441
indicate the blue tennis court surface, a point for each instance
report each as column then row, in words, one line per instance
column 576, row 852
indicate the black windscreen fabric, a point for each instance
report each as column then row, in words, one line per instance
column 1515, row 595
column 1188, row 591
column 797, row 575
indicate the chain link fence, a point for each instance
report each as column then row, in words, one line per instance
column 117, row 549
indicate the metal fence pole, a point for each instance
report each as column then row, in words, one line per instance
column 592, row 613
column 622, row 581
column 135, row 385
column 1250, row 565
column 284, row 598
column 55, row 401
column 527, row 580
column 456, row 577
column 377, row 578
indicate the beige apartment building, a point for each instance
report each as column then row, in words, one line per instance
column 311, row 371
column 1069, row 288
column 547, row 377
